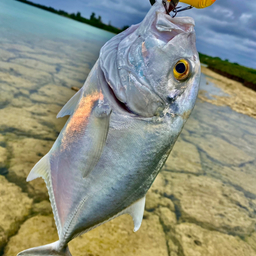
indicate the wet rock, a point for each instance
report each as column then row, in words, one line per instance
column 184, row 158
column 251, row 240
column 37, row 65
column 3, row 157
column 47, row 57
column 167, row 217
column 14, row 82
column 46, row 114
column 63, row 80
column 243, row 178
column 173, row 248
column 26, row 153
column 117, row 238
column 36, row 231
column 43, row 208
column 220, row 150
column 21, row 101
column 196, row 241
column 113, row 238
column 154, row 200
column 21, row 122
column 5, row 55
column 15, row 206
column 9, row 45
column 52, row 93
column 240, row 98
column 28, row 74
column 5, row 98
column 210, row 203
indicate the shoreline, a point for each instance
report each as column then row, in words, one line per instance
column 93, row 21
column 241, row 98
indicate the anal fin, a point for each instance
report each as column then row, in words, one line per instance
column 136, row 210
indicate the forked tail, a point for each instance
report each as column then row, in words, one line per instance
column 46, row 250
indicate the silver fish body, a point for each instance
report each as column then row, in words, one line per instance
column 123, row 124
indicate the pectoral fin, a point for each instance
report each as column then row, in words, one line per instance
column 99, row 127
column 136, row 210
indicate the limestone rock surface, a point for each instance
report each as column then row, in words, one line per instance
column 209, row 202
column 113, row 238
column 15, row 207
column 36, row 231
column 197, row 241
column 26, row 153
column 184, row 158
column 117, row 238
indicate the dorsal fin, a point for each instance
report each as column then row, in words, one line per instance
column 136, row 210
column 70, row 106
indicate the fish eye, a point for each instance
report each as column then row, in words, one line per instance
column 181, row 70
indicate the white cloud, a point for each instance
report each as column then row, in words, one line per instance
column 226, row 29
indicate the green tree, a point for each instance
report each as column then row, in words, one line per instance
column 92, row 16
column 124, row 28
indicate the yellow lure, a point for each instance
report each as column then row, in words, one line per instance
column 198, row 3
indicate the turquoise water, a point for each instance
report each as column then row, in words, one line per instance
column 203, row 201
column 29, row 26
column 21, row 20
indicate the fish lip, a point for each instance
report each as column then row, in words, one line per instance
column 167, row 28
column 165, row 22
column 186, row 20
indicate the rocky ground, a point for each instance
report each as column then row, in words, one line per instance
column 202, row 203
column 239, row 98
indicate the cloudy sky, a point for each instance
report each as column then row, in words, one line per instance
column 226, row 29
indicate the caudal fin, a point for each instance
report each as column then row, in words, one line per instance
column 46, row 250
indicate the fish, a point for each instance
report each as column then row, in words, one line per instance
column 122, row 126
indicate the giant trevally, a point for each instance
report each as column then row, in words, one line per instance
column 123, row 124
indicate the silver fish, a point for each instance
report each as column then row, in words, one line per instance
column 123, row 124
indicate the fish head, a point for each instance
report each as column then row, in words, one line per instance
column 157, row 65
column 172, row 65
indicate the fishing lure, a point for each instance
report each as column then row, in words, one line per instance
column 198, row 3
column 171, row 5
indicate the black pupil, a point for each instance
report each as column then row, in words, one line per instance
column 180, row 68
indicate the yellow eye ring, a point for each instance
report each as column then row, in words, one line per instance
column 181, row 70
